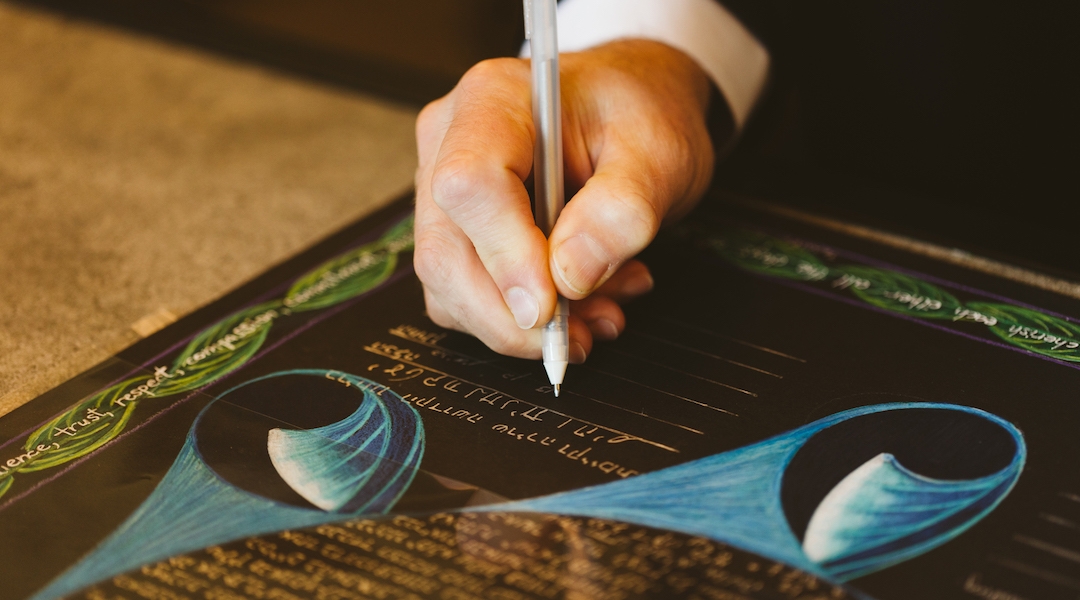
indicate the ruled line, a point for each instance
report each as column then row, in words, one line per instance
column 634, row 412
column 703, row 353
column 1070, row 496
column 681, row 372
column 1043, row 574
column 1056, row 520
column 478, row 361
column 731, row 339
column 649, row 387
column 1054, row 549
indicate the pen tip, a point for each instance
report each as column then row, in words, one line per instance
column 556, row 390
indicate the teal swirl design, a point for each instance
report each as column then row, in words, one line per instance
column 330, row 466
column 883, row 512
column 377, row 450
column 213, row 353
column 877, row 516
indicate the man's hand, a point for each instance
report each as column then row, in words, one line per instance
column 636, row 151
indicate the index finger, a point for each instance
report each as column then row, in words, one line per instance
column 478, row 181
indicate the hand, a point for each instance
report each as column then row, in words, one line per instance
column 637, row 153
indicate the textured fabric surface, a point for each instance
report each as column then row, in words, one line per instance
column 140, row 179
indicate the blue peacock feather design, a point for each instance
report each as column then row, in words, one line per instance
column 883, row 513
column 880, row 514
column 877, row 515
column 359, row 465
column 329, row 466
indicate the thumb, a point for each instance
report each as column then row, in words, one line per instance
column 618, row 213
column 609, row 221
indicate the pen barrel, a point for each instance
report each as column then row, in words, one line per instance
column 556, row 333
column 547, row 116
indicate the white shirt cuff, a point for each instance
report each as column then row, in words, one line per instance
column 733, row 58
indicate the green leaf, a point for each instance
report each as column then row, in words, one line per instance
column 6, row 481
column 84, row 428
column 765, row 254
column 1032, row 330
column 896, row 292
column 220, row 348
column 342, row 278
column 352, row 273
column 399, row 238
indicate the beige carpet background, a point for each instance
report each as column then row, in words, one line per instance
column 139, row 179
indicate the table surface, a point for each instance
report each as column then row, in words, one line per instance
column 140, row 180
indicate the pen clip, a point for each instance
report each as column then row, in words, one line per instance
column 528, row 18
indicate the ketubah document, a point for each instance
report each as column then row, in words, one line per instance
column 801, row 409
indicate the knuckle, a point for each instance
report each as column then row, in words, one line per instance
column 430, row 128
column 430, row 116
column 431, row 259
column 455, row 180
column 483, row 73
column 637, row 217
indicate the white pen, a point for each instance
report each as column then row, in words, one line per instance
column 548, row 164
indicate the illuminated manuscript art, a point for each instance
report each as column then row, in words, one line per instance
column 790, row 414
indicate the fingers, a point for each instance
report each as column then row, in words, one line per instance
column 599, row 317
column 477, row 182
column 581, row 341
column 601, row 312
column 633, row 279
column 482, row 261
column 456, row 283
column 602, row 316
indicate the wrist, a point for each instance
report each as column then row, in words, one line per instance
column 670, row 76
column 735, row 61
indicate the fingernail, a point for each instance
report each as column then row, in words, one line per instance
column 604, row 329
column 523, row 306
column 638, row 285
column 582, row 263
column 577, row 353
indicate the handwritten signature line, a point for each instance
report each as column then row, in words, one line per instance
column 526, row 402
column 478, row 361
